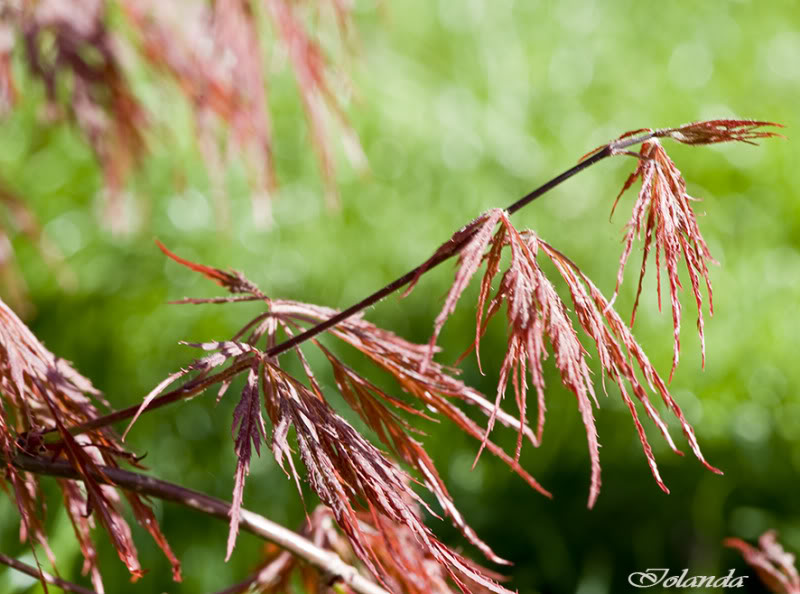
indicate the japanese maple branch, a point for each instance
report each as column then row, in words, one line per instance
column 613, row 148
column 327, row 562
column 50, row 579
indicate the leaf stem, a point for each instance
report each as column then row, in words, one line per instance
column 326, row 561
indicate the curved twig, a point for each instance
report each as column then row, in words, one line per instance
column 326, row 561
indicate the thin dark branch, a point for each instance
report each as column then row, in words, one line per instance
column 326, row 561
column 50, row 579
column 443, row 256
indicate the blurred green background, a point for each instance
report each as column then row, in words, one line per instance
column 461, row 107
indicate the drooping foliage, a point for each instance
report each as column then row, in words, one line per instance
column 42, row 395
column 215, row 53
column 409, row 568
column 663, row 211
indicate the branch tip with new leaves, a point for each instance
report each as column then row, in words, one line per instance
column 663, row 212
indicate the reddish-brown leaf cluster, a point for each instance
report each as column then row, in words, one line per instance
column 663, row 212
column 774, row 565
column 41, row 393
column 431, row 383
column 433, row 388
column 67, row 45
column 714, row 131
column 537, row 316
column 409, row 567
column 215, row 54
column 693, row 133
column 344, row 469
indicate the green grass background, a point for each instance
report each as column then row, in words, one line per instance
column 461, row 107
